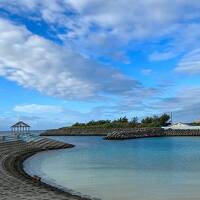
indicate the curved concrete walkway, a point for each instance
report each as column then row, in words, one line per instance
column 15, row 184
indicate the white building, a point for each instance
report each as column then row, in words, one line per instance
column 182, row 126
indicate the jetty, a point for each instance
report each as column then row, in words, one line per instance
column 150, row 132
column 127, row 133
column 15, row 183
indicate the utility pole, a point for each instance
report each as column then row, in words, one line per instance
column 171, row 118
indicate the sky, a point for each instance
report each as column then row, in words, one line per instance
column 66, row 61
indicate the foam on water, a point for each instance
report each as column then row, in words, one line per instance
column 142, row 169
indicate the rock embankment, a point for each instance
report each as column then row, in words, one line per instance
column 83, row 131
column 181, row 132
column 150, row 132
column 133, row 133
column 16, row 184
column 121, row 133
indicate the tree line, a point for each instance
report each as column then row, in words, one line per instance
column 155, row 121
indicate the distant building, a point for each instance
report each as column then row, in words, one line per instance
column 182, row 126
column 20, row 128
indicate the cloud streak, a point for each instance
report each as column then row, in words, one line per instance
column 38, row 109
column 190, row 63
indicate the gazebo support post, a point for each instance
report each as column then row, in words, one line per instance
column 20, row 128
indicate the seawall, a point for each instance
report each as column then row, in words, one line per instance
column 83, row 131
column 16, row 184
column 121, row 133
column 151, row 132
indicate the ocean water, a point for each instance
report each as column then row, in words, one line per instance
column 35, row 132
column 143, row 169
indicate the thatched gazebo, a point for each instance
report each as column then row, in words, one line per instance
column 20, row 128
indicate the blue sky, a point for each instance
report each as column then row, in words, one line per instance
column 63, row 61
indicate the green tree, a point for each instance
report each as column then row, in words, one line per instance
column 134, row 121
column 164, row 119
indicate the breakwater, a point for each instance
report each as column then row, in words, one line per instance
column 179, row 132
column 93, row 131
column 150, row 132
column 135, row 133
column 121, row 133
column 16, row 184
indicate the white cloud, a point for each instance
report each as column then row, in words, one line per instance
column 183, row 98
column 97, row 27
column 190, row 63
column 38, row 63
column 187, row 104
column 185, row 38
column 160, row 56
column 146, row 71
column 38, row 109
column 106, row 26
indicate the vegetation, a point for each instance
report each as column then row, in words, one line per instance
column 155, row 121
column 195, row 123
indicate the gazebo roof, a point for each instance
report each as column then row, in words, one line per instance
column 20, row 124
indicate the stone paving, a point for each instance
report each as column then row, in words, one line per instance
column 15, row 184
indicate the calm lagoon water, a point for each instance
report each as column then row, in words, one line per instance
column 142, row 169
column 35, row 132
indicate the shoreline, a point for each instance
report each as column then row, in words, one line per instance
column 49, row 186
column 17, row 184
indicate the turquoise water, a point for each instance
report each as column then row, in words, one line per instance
column 142, row 169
